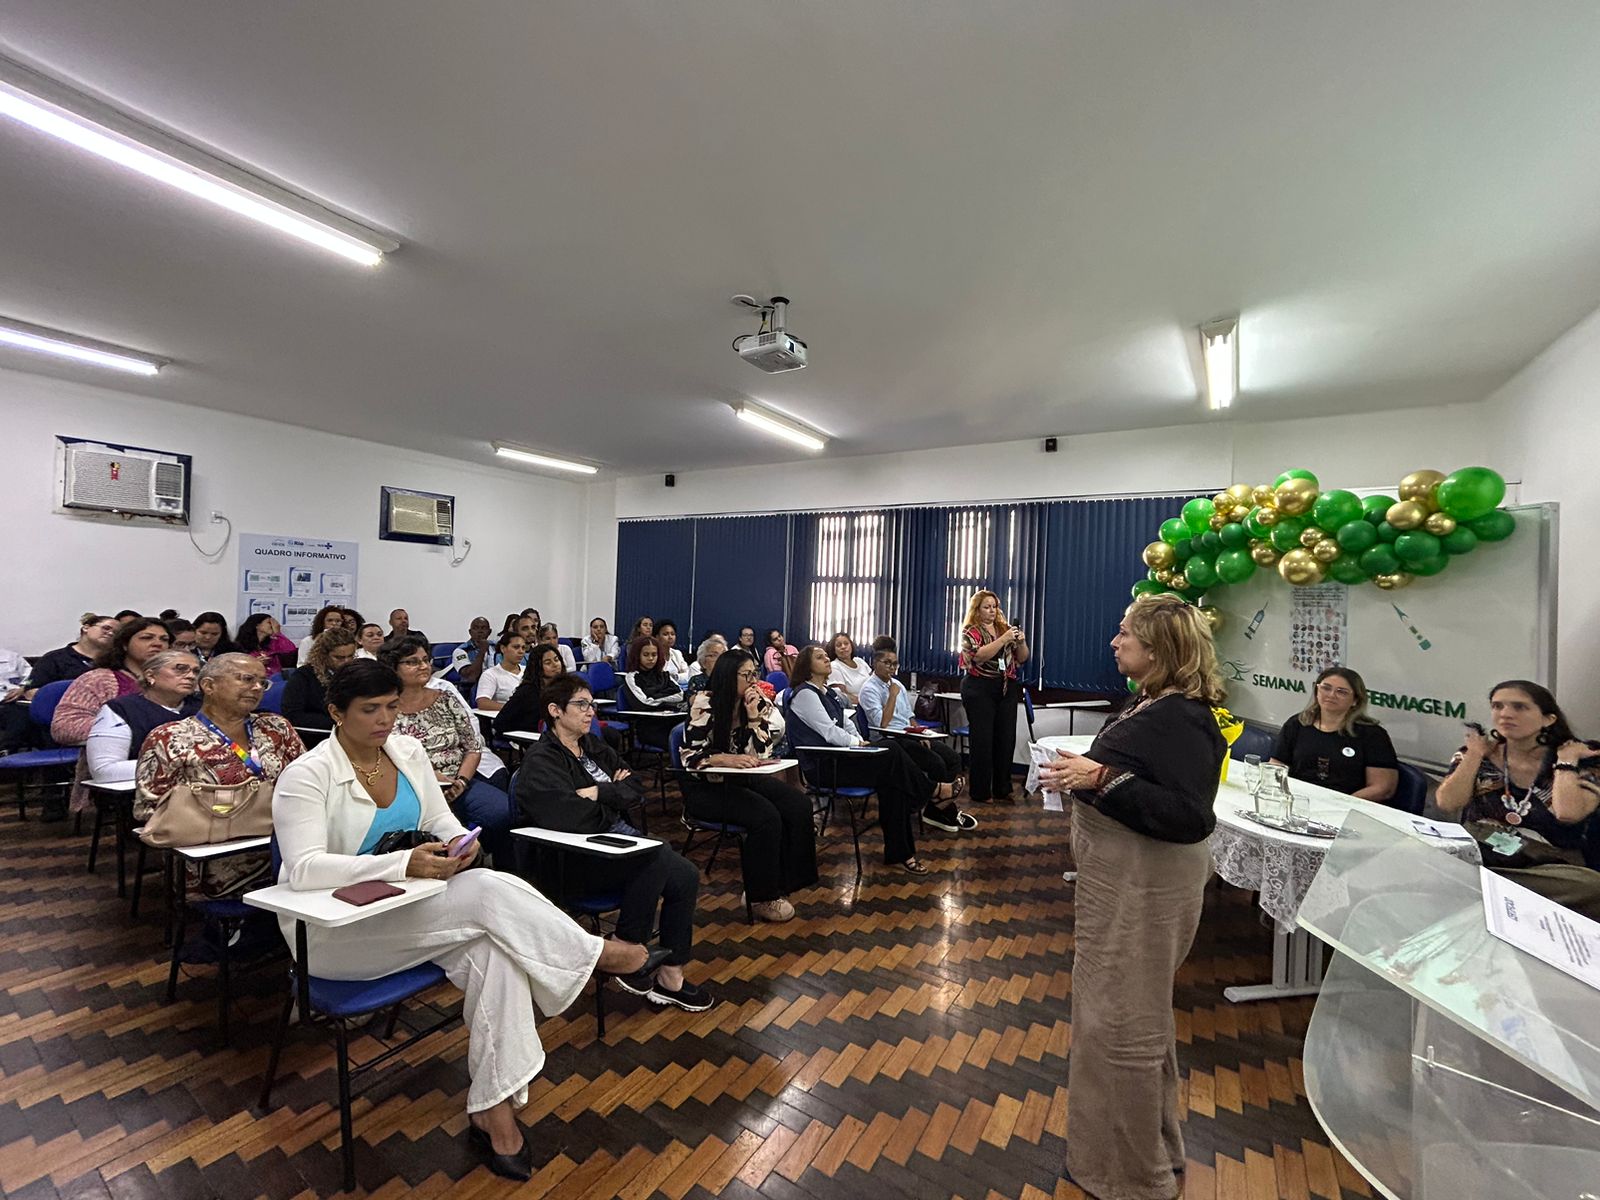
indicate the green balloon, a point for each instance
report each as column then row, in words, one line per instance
column 1234, row 536
column 1459, row 540
column 1184, row 549
column 1210, row 543
column 1336, row 508
column 1470, row 493
column 1494, row 526
column 1296, row 473
column 1235, row 566
column 1387, row 533
column 1202, row 573
column 1198, row 512
column 1151, row 575
column 1346, row 570
column 1286, row 533
column 1380, row 560
column 1417, row 546
column 1355, row 536
column 1174, row 530
column 1428, row 566
column 1146, row 587
column 1192, row 596
column 1254, row 527
column 1375, row 508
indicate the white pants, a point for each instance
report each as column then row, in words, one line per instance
column 501, row 942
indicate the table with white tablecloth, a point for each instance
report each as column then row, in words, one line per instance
column 1280, row 866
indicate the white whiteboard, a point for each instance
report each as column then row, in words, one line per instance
column 1490, row 616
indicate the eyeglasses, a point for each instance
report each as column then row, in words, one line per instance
column 747, row 673
column 414, row 662
column 1330, row 690
column 581, row 705
column 251, row 681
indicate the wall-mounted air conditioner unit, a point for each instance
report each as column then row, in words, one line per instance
column 129, row 480
column 406, row 516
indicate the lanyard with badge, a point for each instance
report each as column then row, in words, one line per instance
column 247, row 757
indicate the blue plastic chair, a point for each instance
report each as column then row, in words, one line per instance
column 777, row 679
column 340, row 1003
column 272, row 698
column 1411, row 793
column 830, row 793
column 1255, row 740
column 54, row 758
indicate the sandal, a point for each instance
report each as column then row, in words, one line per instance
column 912, row 867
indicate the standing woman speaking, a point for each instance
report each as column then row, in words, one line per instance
column 1141, row 814
column 991, row 652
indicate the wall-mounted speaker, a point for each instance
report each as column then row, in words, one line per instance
column 672, row 481
column 1049, row 445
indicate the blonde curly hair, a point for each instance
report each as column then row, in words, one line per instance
column 1178, row 638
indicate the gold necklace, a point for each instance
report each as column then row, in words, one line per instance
column 370, row 776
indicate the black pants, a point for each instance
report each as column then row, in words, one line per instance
column 666, row 878
column 937, row 759
column 991, row 706
column 779, row 852
column 902, row 789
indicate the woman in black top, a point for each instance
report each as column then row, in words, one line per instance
column 68, row 662
column 211, row 637
column 1141, row 812
column 1335, row 744
column 305, row 701
column 646, row 686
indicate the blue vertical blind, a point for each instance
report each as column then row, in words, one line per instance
column 655, row 563
column 1061, row 568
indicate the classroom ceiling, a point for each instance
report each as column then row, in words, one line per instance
column 994, row 220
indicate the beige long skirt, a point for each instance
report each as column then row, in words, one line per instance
column 1137, row 907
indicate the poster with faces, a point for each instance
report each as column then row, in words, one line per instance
column 1318, row 627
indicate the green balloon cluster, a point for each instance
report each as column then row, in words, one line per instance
column 1309, row 535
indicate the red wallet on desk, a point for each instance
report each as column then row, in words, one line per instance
column 367, row 893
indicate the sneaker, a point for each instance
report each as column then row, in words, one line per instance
column 639, row 983
column 966, row 820
column 1069, row 876
column 942, row 818
column 689, row 997
column 777, row 911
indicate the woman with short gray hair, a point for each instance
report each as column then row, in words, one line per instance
column 704, row 659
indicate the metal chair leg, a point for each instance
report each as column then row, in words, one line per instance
column 94, row 834
column 600, row 1006
column 138, row 880
column 277, row 1047
column 225, row 979
column 347, row 1150
column 179, row 928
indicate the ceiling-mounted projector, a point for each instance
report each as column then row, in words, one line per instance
column 771, row 348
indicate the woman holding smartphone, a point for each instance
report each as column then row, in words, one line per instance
column 502, row 943
column 991, row 652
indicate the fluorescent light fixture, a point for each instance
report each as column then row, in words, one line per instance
column 781, row 427
column 1219, row 347
column 51, row 108
column 65, row 345
column 534, row 459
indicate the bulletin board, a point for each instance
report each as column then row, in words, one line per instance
column 290, row 578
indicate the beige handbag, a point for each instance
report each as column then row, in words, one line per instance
column 204, row 814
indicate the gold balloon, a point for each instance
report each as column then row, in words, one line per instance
column 1389, row 583
column 1179, row 580
column 1310, row 537
column 1296, row 496
column 1267, row 516
column 1159, row 555
column 1222, row 499
column 1440, row 524
column 1300, row 569
column 1241, row 493
column 1263, row 554
column 1240, row 512
column 1213, row 617
column 1419, row 486
column 1326, row 550
column 1408, row 514
column 1263, row 494
column 1164, row 576
column 1218, row 521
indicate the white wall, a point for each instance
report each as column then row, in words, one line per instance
column 526, row 531
column 1546, row 429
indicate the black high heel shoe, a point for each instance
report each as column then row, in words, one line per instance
column 518, row 1166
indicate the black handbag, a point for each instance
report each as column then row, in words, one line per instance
column 402, row 839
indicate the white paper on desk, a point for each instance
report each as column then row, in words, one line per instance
column 1039, row 755
column 1551, row 933
column 1441, row 829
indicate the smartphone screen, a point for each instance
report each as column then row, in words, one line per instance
column 465, row 845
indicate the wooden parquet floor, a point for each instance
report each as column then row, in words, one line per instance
column 905, row 1039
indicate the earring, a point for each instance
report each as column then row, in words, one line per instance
column 1543, row 737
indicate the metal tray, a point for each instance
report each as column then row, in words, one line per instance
column 1301, row 826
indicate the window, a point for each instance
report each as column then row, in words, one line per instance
column 848, row 587
column 966, row 566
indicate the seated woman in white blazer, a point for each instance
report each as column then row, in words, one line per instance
column 497, row 938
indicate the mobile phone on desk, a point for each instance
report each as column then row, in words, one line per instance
column 467, row 844
column 607, row 839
